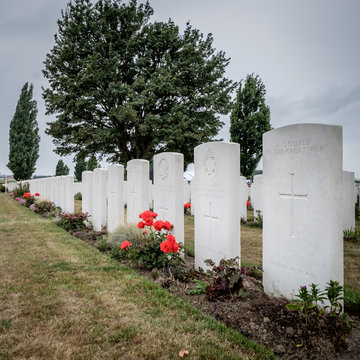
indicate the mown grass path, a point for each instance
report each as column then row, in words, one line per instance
column 62, row 299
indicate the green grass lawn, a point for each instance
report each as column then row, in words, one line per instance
column 62, row 299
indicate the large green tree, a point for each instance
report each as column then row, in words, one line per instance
column 123, row 87
column 61, row 169
column 249, row 119
column 92, row 164
column 24, row 136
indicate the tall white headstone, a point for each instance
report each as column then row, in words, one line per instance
column 257, row 195
column 187, row 191
column 169, row 190
column 137, row 188
column 99, row 217
column 87, row 201
column 349, row 200
column 68, row 189
column 302, row 229
column 216, row 193
column 115, row 197
column 243, row 197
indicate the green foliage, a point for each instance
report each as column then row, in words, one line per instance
column 249, row 119
column 255, row 221
column 80, row 166
column 21, row 189
column 352, row 300
column 308, row 304
column 200, row 288
column 123, row 87
column 92, row 164
column 352, row 235
column 227, row 279
column 73, row 222
column 24, row 136
column 44, row 207
column 2, row 188
column 61, row 169
column 78, row 196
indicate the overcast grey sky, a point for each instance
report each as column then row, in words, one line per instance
column 306, row 52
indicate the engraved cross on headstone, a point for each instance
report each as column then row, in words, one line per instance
column 293, row 196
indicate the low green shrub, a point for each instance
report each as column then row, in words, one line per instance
column 2, row 188
column 78, row 196
column 73, row 222
column 21, row 189
column 352, row 235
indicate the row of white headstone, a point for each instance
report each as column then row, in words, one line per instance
column 302, row 202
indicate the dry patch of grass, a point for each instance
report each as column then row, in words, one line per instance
column 60, row 298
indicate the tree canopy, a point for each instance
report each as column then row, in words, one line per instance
column 24, row 136
column 249, row 119
column 123, row 87
column 80, row 166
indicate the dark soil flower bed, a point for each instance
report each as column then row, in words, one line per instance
column 258, row 316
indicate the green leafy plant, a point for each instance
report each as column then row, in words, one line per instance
column 73, row 222
column 21, row 189
column 200, row 288
column 352, row 235
column 44, row 207
column 227, row 279
column 255, row 221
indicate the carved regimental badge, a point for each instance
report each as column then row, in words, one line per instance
column 210, row 163
column 163, row 169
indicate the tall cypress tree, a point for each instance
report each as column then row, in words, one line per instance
column 80, row 166
column 249, row 119
column 61, row 169
column 24, row 136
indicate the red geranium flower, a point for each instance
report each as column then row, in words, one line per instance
column 27, row 195
column 146, row 215
column 154, row 215
column 248, row 203
column 171, row 238
column 125, row 244
column 167, row 225
column 187, row 206
column 158, row 225
column 37, row 194
column 166, row 246
column 140, row 225
column 175, row 247
column 149, row 221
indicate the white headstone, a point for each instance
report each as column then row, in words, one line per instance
column 243, row 197
column 137, row 188
column 115, row 197
column 99, row 217
column 68, row 193
column 187, row 191
column 169, row 190
column 349, row 201
column 216, row 194
column 87, row 201
column 257, row 195
column 302, row 229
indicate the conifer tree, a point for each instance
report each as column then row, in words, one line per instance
column 249, row 119
column 24, row 136
column 92, row 164
column 61, row 169
column 80, row 166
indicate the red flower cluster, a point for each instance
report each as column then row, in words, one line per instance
column 125, row 244
column 148, row 218
column 27, row 195
column 248, row 203
column 187, row 206
column 169, row 245
column 37, row 194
